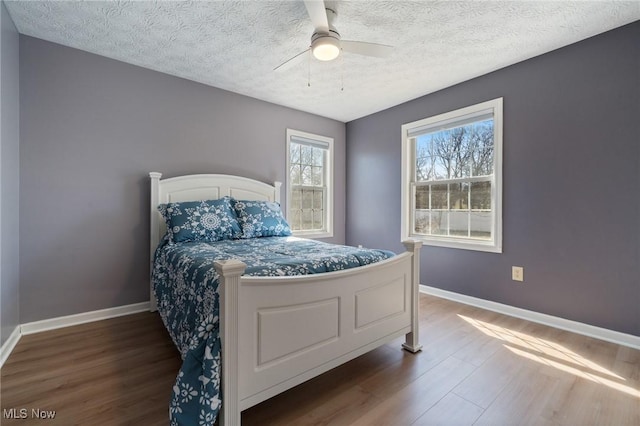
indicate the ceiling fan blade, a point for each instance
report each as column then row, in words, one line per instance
column 366, row 49
column 318, row 15
column 290, row 62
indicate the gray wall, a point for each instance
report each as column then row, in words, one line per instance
column 9, row 175
column 571, row 183
column 91, row 130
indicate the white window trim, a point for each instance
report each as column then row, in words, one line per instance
column 328, row 231
column 408, row 158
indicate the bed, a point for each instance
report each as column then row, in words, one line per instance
column 272, row 333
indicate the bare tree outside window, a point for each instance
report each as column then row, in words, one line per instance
column 455, row 153
column 453, row 170
column 306, row 171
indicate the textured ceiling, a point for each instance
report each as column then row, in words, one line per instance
column 235, row 45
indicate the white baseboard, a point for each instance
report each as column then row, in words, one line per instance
column 77, row 319
column 66, row 321
column 552, row 321
column 10, row 343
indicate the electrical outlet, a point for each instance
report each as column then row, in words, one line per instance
column 517, row 273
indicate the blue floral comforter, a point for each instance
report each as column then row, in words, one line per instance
column 185, row 284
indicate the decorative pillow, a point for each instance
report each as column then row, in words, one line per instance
column 261, row 219
column 209, row 220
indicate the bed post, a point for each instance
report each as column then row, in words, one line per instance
column 154, row 237
column 229, row 290
column 412, row 343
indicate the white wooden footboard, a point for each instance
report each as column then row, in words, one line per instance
column 278, row 332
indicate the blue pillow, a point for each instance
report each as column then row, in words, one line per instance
column 209, row 220
column 261, row 219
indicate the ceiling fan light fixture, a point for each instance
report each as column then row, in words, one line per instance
column 325, row 48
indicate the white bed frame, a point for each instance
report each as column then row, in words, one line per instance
column 278, row 332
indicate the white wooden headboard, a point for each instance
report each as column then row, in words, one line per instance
column 196, row 188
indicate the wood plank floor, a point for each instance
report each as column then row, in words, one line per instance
column 477, row 368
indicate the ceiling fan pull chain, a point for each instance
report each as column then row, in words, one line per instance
column 341, row 72
column 309, row 72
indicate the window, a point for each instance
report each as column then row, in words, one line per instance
column 452, row 178
column 310, row 184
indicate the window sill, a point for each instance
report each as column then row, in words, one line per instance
column 312, row 234
column 488, row 246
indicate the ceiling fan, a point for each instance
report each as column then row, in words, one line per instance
column 326, row 43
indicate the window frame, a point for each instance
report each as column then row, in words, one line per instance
column 327, row 231
column 494, row 245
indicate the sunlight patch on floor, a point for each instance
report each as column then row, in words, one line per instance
column 552, row 354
